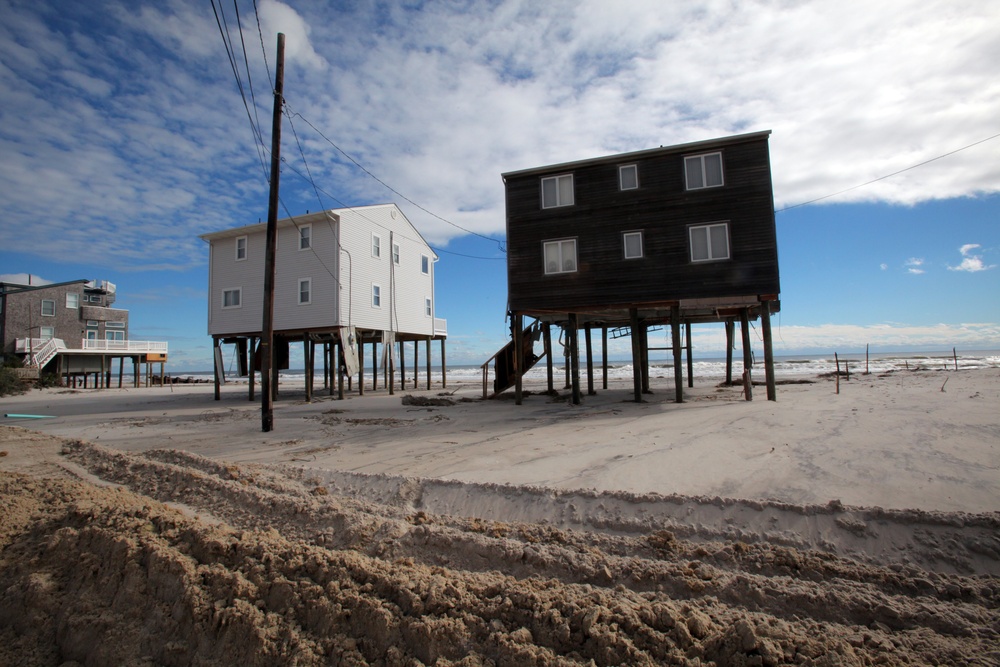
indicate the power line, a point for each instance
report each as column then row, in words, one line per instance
column 393, row 190
column 260, row 34
column 882, row 178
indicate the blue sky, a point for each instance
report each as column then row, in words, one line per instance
column 124, row 136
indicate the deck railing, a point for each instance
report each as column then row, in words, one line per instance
column 124, row 346
column 440, row 327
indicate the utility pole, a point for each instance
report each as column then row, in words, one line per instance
column 267, row 335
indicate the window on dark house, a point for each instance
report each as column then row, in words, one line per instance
column 709, row 242
column 48, row 308
column 632, row 242
column 703, row 171
column 628, row 177
column 557, row 191
column 559, row 256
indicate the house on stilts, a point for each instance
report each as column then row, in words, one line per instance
column 676, row 235
column 72, row 329
column 344, row 279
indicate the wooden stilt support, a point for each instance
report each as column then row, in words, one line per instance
column 765, row 326
column 547, row 342
column 747, row 356
column 604, row 356
column 444, row 367
column 252, row 366
column 361, row 367
column 574, row 357
column 590, row 364
column 427, row 350
column 730, row 334
column 644, row 349
column 675, row 339
column 517, row 322
column 690, row 360
column 216, row 356
column 636, row 355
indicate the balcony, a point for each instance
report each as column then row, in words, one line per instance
column 440, row 327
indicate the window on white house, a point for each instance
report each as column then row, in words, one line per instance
column 710, row 242
column 628, row 177
column 305, row 291
column 703, row 171
column 559, row 256
column 425, row 264
column 305, row 237
column 428, row 310
column 376, row 245
column 72, row 300
column 47, row 333
column 632, row 242
column 48, row 308
column 232, row 298
column 557, row 191
column 376, row 296
column 241, row 248
column 395, row 254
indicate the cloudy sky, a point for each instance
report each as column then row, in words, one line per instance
column 125, row 135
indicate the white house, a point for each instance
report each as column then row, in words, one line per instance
column 343, row 277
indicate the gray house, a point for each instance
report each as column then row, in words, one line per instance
column 343, row 278
column 72, row 329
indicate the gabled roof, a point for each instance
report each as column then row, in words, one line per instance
column 693, row 147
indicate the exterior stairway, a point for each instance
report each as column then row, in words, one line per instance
column 46, row 352
column 503, row 361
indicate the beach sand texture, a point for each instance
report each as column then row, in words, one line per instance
column 160, row 527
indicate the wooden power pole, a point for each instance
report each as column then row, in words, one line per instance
column 267, row 335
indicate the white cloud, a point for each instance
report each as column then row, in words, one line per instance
column 971, row 263
column 883, row 266
column 23, row 279
column 130, row 121
column 913, row 265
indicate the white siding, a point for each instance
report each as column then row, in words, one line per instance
column 404, row 287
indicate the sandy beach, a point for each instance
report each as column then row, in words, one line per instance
column 159, row 526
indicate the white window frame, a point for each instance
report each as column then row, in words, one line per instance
column 305, row 237
column 114, row 334
column 46, row 333
column 114, row 325
column 73, row 300
column 52, row 303
column 625, row 237
column 376, row 295
column 425, row 265
column 561, row 268
column 428, row 307
column 395, row 254
column 634, row 168
column 308, row 283
column 564, row 196
column 703, row 171
column 239, row 298
column 376, row 246
column 713, row 256
column 244, row 248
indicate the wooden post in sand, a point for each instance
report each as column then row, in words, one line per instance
column 954, row 355
column 636, row 354
column 574, row 353
column 604, row 355
column 730, row 331
column 590, row 363
column 690, row 361
column 675, row 335
column 765, row 326
column 836, row 360
column 547, row 341
column 517, row 324
column 747, row 357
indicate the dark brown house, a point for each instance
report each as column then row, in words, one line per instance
column 678, row 234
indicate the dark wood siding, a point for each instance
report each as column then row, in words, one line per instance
column 663, row 211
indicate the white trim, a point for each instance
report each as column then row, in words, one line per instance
column 395, row 254
column 703, row 171
column 114, row 325
column 428, row 307
column 376, row 246
column 635, row 176
column 376, row 295
column 42, row 308
column 642, row 250
column 712, row 257
column 305, row 237
column 562, row 264
column 245, row 248
column 308, row 282
column 561, row 198
column 239, row 298
column 42, row 333
column 76, row 305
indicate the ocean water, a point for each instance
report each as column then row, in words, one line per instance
column 790, row 366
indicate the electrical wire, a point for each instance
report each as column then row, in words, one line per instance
column 882, row 178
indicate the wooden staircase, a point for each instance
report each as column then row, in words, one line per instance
column 505, row 375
